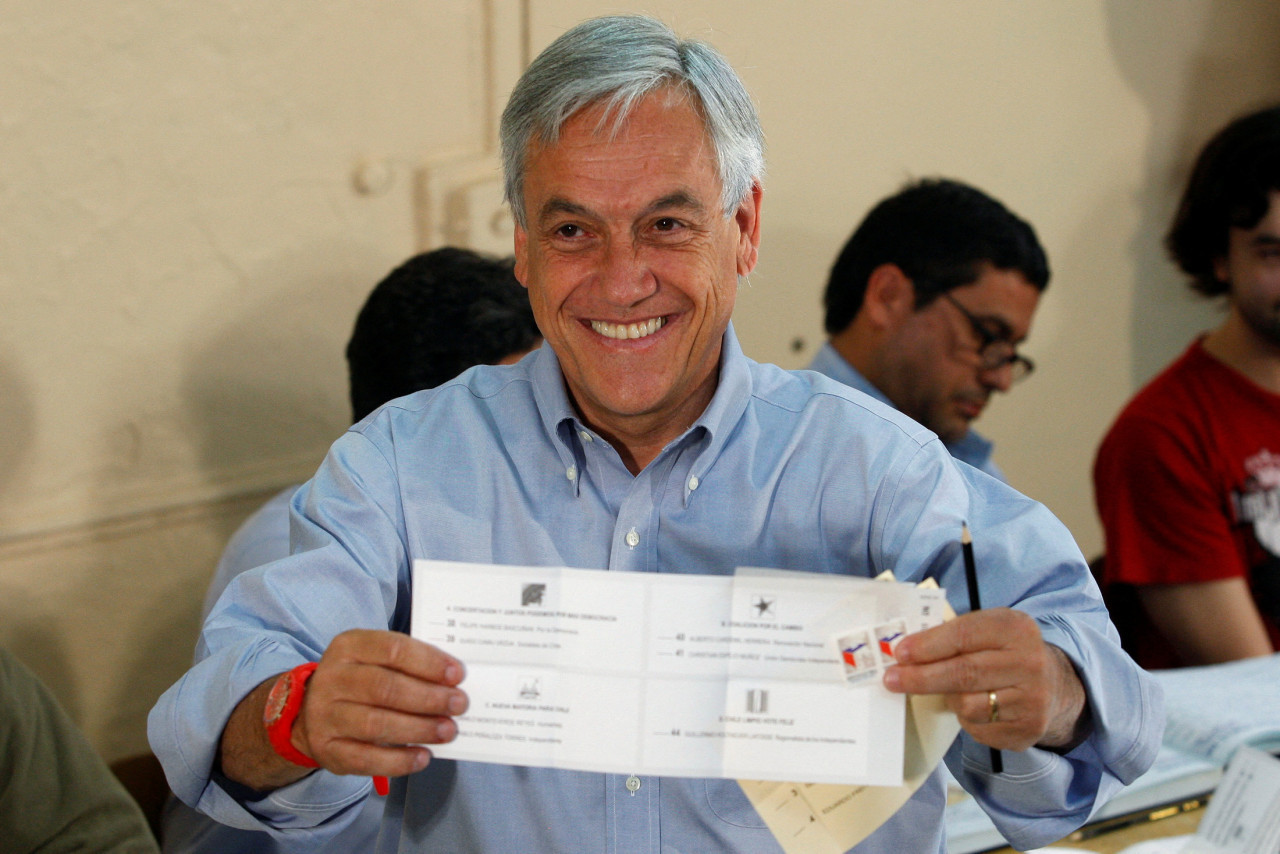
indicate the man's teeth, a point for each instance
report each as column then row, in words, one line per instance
column 628, row 330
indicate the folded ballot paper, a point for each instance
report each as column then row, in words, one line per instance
column 764, row 676
column 816, row 818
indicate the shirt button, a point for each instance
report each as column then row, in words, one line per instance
column 633, row 784
column 571, row 472
column 585, row 436
column 693, row 482
column 633, row 540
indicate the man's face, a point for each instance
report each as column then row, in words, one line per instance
column 1252, row 267
column 631, row 267
column 929, row 366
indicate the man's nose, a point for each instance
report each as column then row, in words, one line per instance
column 999, row 379
column 626, row 278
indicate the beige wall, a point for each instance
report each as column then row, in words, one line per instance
column 196, row 198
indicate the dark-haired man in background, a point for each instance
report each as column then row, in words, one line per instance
column 1187, row 481
column 430, row 319
column 927, row 304
column 433, row 317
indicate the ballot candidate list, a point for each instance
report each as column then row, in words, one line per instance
column 708, row 676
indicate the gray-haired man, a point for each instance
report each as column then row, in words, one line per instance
column 640, row 439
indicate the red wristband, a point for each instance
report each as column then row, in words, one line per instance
column 283, row 704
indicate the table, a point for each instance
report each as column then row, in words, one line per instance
column 1118, row 840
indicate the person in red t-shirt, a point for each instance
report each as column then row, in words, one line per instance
column 1187, row 480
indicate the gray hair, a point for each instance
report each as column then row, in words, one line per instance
column 620, row 60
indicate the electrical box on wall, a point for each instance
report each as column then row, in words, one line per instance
column 460, row 204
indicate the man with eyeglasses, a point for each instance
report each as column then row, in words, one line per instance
column 927, row 304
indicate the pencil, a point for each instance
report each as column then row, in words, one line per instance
column 975, row 604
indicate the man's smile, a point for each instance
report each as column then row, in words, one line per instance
column 971, row 407
column 642, row 329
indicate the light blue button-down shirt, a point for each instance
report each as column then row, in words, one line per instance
column 262, row 538
column 783, row 469
column 972, row 447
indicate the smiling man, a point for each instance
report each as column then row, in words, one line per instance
column 632, row 266
column 926, row 306
column 639, row 439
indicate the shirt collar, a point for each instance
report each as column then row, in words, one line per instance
column 972, row 447
column 552, row 400
column 549, row 392
column 733, row 393
column 829, row 362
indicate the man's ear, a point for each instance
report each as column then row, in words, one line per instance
column 890, row 297
column 1221, row 271
column 522, row 256
column 747, row 218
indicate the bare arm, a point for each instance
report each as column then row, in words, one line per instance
column 1041, row 699
column 1207, row 622
column 373, row 697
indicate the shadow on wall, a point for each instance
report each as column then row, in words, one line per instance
column 40, row 648
column 22, row 632
column 263, row 397
column 266, row 384
column 17, row 423
column 161, row 624
column 1237, row 69
column 779, row 313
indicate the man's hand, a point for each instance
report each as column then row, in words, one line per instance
column 374, row 695
column 1040, row 698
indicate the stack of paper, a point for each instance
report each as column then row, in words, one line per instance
column 1212, row 712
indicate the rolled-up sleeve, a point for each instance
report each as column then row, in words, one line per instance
column 1041, row 796
column 348, row 570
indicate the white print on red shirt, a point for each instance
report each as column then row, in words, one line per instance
column 1258, row 500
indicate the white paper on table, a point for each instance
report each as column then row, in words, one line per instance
column 1244, row 815
column 667, row 674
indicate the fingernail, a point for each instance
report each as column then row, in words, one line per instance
column 893, row 679
column 902, row 652
column 457, row 704
column 445, row 731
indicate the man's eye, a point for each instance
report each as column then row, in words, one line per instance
column 1000, row 348
column 993, row 335
column 666, row 224
column 568, row 230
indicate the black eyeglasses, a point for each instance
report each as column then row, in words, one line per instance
column 994, row 350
